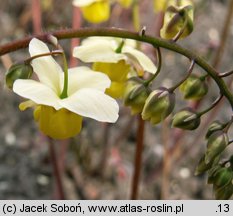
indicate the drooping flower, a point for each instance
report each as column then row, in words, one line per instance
column 116, row 58
column 97, row 11
column 62, row 118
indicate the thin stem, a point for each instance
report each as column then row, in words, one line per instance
column 113, row 32
column 138, row 159
column 36, row 16
column 64, row 93
column 224, row 35
column 211, row 107
column 56, row 169
column 58, row 52
column 119, row 48
column 159, row 59
column 181, row 31
column 185, row 78
column 226, row 74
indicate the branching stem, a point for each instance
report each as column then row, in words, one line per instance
column 121, row 33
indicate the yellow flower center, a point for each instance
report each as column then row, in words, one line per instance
column 57, row 124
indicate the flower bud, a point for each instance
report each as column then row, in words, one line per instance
column 223, row 177
column 175, row 17
column 194, row 88
column 203, row 167
column 158, row 105
column 217, row 142
column 186, row 119
column 135, row 96
column 211, row 173
column 223, row 193
column 214, row 126
column 18, row 71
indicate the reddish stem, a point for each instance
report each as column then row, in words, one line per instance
column 56, row 170
column 36, row 16
column 76, row 24
column 138, row 159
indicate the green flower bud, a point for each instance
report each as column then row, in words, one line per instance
column 223, row 177
column 211, row 173
column 18, row 71
column 217, row 142
column 223, row 193
column 203, row 166
column 186, row 119
column 194, row 88
column 135, row 96
column 214, row 126
column 175, row 18
column 158, row 105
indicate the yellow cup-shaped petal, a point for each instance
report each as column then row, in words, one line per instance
column 58, row 124
column 117, row 72
column 116, row 89
column 97, row 12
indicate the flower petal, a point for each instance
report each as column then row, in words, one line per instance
column 84, row 77
column 37, row 92
column 143, row 60
column 93, row 104
column 46, row 68
column 82, row 3
column 98, row 51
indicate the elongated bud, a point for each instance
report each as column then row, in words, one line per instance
column 211, row 173
column 186, row 119
column 177, row 17
column 194, row 88
column 223, row 193
column 203, row 166
column 18, row 71
column 217, row 142
column 223, row 177
column 135, row 96
column 158, row 105
column 214, row 126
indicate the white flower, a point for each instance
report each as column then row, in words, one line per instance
column 86, row 95
column 103, row 49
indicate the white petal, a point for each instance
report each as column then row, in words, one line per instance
column 143, row 60
column 93, row 104
column 37, row 92
column 98, row 51
column 84, row 77
column 82, row 3
column 46, row 68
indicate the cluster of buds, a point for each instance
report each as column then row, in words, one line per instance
column 154, row 105
column 220, row 175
